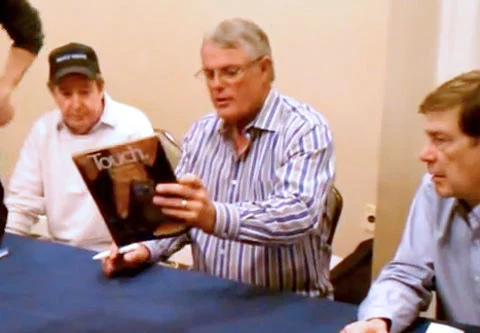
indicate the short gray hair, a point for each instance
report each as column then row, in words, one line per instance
column 241, row 33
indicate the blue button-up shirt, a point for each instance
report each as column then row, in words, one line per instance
column 440, row 250
column 271, row 227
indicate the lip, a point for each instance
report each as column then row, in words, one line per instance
column 222, row 102
column 77, row 119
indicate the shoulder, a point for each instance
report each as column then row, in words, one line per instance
column 301, row 115
column 301, row 112
column 43, row 129
column 302, row 120
column 439, row 208
column 204, row 127
column 124, row 110
column 127, row 117
column 47, row 122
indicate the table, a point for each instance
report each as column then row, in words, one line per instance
column 47, row 287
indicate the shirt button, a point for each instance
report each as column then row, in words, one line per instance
column 234, row 182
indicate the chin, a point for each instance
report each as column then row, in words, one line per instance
column 79, row 130
column 444, row 191
column 228, row 115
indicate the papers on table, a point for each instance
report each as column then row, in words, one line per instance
column 3, row 252
column 441, row 328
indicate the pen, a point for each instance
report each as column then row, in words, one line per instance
column 123, row 249
column 3, row 252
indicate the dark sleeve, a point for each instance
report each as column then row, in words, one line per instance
column 22, row 23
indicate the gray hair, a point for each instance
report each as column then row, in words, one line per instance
column 241, row 33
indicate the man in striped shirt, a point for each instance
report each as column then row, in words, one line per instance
column 253, row 178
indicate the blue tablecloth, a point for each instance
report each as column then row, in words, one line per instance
column 46, row 287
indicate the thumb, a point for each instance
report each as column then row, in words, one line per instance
column 140, row 255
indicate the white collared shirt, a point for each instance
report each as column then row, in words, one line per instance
column 46, row 182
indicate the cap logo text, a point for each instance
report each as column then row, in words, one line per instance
column 71, row 56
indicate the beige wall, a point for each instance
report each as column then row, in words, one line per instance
column 411, row 71
column 328, row 53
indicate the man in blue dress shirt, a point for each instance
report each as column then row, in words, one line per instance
column 440, row 249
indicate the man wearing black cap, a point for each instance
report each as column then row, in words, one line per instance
column 45, row 180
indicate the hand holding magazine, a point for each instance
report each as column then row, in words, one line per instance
column 121, row 179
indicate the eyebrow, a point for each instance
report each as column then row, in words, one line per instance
column 86, row 86
column 437, row 133
column 222, row 67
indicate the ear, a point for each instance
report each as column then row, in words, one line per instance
column 475, row 141
column 266, row 66
column 100, row 84
column 51, row 87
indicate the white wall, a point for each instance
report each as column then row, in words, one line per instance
column 459, row 32
column 412, row 51
column 328, row 53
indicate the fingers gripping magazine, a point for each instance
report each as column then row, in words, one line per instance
column 121, row 179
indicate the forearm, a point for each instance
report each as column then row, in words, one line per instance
column 399, row 294
column 279, row 221
column 293, row 209
column 20, row 223
column 404, row 286
column 18, row 61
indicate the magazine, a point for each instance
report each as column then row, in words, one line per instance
column 121, row 179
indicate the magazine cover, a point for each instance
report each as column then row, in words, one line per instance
column 121, row 179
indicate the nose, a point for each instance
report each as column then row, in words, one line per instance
column 75, row 101
column 427, row 154
column 215, row 82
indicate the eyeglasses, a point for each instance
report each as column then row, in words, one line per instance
column 227, row 74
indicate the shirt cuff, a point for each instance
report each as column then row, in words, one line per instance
column 19, row 224
column 372, row 313
column 227, row 221
column 156, row 250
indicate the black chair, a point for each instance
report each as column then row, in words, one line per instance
column 172, row 148
column 334, row 206
column 167, row 135
column 351, row 278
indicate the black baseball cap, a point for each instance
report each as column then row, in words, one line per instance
column 73, row 58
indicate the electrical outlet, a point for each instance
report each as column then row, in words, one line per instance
column 369, row 218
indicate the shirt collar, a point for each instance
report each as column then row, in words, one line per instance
column 268, row 119
column 106, row 119
column 470, row 214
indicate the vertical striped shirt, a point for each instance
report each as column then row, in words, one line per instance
column 271, row 225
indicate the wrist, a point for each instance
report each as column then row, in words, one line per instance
column 227, row 220
column 382, row 324
column 210, row 227
column 7, row 83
